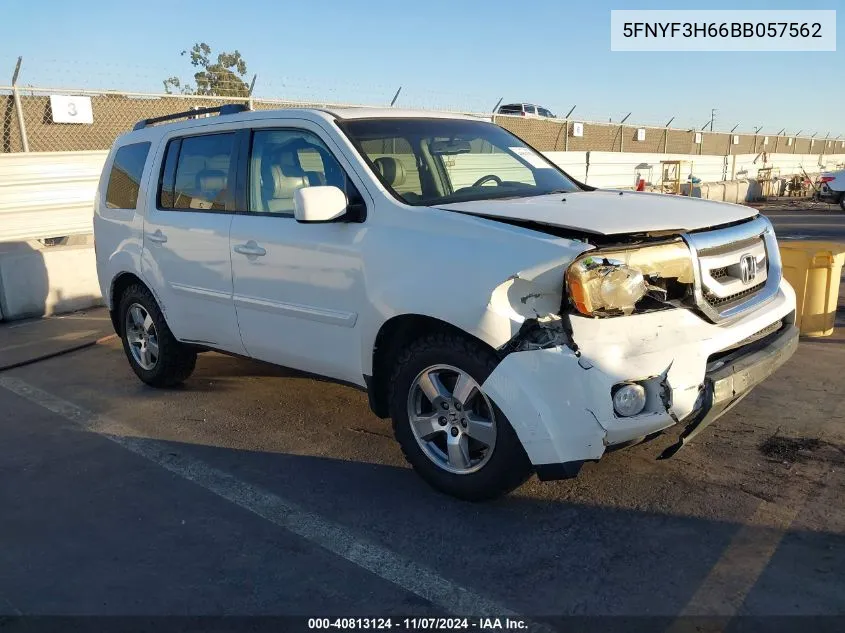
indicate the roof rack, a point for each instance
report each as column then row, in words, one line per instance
column 230, row 108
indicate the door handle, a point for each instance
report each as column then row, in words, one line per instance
column 158, row 237
column 250, row 249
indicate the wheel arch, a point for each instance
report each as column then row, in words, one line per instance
column 393, row 335
column 119, row 284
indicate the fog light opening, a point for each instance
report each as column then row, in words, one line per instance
column 628, row 399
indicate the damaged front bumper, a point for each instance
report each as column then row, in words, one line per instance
column 559, row 399
column 730, row 378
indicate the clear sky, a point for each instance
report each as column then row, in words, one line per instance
column 458, row 54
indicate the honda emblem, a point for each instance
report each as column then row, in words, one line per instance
column 748, row 268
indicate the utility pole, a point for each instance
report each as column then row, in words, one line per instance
column 712, row 117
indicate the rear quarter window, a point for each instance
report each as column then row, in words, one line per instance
column 125, row 176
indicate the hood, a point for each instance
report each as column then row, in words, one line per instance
column 610, row 212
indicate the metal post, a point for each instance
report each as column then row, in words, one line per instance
column 622, row 133
column 18, row 110
column 249, row 94
column 666, row 136
column 566, row 139
column 731, row 142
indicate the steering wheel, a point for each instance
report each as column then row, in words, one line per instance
column 484, row 179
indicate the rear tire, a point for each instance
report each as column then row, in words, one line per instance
column 842, row 201
column 154, row 354
column 475, row 455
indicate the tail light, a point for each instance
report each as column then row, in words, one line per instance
column 827, row 179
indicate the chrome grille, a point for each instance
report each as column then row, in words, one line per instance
column 717, row 302
column 714, row 361
column 737, row 268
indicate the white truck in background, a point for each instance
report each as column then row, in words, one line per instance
column 832, row 188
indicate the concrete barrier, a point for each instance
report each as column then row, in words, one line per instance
column 38, row 280
column 736, row 191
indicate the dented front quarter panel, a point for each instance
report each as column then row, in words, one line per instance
column 559, row 399
column 475, row 273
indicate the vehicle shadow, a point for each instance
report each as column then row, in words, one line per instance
column 218, row 372
column 578, row 556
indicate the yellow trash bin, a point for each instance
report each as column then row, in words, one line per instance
column 814, row 270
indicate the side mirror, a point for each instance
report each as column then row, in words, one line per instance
column 319, row 204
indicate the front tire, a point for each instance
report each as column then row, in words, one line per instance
column 154, row 354
column 842, row 201
column 452, row 434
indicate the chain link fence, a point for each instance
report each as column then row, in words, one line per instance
column 31, row 127
column 27, row 124
column 559, row 135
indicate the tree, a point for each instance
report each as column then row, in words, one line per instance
column 223, row 78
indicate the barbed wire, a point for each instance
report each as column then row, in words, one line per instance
column 271, row 84
column 125, row 93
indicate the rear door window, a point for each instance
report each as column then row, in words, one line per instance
column 125, row 176
column 530, row 109
column 196, row 173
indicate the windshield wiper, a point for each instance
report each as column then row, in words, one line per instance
column 548, row 193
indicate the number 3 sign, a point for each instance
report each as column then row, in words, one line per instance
column 68, row 109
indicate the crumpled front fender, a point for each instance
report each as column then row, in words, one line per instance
column 544, row 395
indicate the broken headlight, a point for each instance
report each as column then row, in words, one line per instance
column 623, row 281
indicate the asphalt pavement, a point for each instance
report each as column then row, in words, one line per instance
column 805, row 220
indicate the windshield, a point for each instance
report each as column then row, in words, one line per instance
column 438, row 161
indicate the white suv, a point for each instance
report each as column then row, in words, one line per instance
column 507, row 318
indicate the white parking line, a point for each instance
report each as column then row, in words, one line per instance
column 375, row 558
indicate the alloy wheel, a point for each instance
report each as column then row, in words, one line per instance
column 452, row 419
column 142, row 336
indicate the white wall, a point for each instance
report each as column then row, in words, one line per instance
column 621, row 169
column 47, row 194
